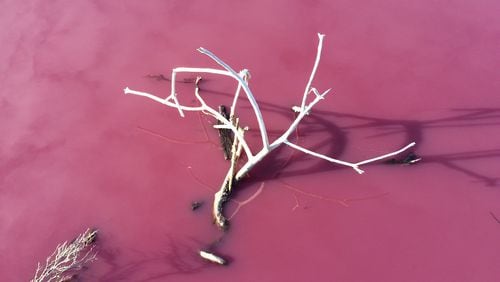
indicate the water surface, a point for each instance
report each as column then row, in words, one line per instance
column 76, row 153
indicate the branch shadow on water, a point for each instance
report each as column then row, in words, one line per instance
column 334, row 123
column 412, row 131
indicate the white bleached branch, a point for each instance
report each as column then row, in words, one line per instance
column 332, row 160
column 244, row 74
column 246, row 88
column 204, row 108
column 235, row 174
column 211, row 257
column 386, row 155
column 313, row 72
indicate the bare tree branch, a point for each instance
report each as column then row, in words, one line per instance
column 68, row 258
column 235, row 174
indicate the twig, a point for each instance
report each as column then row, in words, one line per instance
column 211, row 257
column 222, row 196
column 297, row 204
column 199, row 181
column 161, row 77
column 169, row 139
column 341, row 202
column 247, row 201
column 313, row 72
column 495, row 217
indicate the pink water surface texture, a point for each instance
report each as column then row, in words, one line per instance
column 75, row 152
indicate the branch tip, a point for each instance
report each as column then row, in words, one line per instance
column 324, row 93
column 201, row 50
column 358, row 170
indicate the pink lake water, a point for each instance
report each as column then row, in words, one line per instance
column 75, row 152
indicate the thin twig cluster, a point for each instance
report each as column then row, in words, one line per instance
column 68, row 259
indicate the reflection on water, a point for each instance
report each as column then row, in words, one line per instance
column 175, row 257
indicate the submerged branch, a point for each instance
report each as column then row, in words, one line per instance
column 223, row 195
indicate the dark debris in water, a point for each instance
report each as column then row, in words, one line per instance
column 196, row 205
column 410, row 159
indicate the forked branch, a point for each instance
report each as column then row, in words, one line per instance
column 234, row 174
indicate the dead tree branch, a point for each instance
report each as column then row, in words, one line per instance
column 234, row 174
